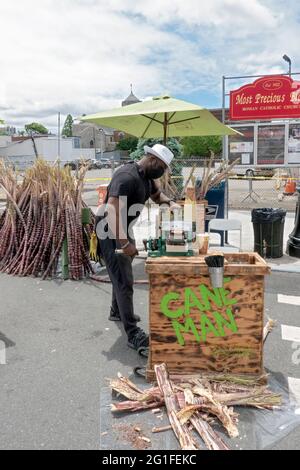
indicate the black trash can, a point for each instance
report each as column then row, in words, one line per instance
column 268, row 226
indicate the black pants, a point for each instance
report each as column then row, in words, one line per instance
column 119, row 268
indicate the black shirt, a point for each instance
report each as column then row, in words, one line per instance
column 130, row 181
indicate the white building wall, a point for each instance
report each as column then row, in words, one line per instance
column 47, row 148
column 18, row 150
column 5, row 140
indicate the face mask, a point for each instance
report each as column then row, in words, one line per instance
column 154, row 173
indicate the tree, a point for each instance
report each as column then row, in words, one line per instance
column 128, row 144
column 201, row 146
column 68, row 129
column 172, row 144
column 2, row 131
column 35, row 128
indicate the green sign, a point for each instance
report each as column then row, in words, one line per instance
column 216, row 302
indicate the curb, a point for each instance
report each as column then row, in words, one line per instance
column 286, row 268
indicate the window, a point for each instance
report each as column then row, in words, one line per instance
column 242, row 146
column 270, row 149
column 76, row 142
column 294, row 144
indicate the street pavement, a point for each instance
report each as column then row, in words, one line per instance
column 61, row 349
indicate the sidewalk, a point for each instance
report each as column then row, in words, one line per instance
column 284, row 264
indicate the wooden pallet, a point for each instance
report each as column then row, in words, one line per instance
column 219, row 338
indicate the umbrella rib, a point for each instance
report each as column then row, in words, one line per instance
column 184, row 120
column 171, row 117
column 151, row 120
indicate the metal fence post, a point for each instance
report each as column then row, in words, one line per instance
column 2, row 353
column 250, row 191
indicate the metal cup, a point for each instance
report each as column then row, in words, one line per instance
column 216, row 277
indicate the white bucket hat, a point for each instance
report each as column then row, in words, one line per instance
column 161, row 152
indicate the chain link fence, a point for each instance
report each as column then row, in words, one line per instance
column 251, row 193
column 243, row 192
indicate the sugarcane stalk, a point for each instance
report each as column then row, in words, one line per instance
column 182, row 432
column 134, row 406
column 221, row 411
column 188, row 181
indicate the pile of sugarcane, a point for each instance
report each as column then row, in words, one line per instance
column 43, row 212
column 194, row 403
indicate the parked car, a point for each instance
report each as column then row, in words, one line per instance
column 91, row 163
column 95, row 164
column 105, row 163
column 72, row 165
column 108, row 162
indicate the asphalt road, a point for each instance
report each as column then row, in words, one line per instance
column 61, row 348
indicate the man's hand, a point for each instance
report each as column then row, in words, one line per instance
column 174, row 206
column 130, row 250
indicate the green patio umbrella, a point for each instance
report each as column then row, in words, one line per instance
column 161, row 117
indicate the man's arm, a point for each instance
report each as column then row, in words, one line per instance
column 116, row 225
column 160, row 198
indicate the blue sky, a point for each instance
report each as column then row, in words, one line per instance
column 80, row 56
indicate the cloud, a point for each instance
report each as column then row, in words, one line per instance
column 225, row 13
column 80, row 56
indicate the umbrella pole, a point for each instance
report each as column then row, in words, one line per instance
column 165, row 128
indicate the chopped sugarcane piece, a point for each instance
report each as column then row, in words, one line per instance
column 268, row 328
column 181, row 431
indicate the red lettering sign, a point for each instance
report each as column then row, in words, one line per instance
column 266, row 98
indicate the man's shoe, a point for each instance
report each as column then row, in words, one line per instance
column 114, row 317
column 139, row 340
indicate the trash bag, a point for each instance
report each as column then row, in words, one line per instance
column 268, row 227
column 267, row 215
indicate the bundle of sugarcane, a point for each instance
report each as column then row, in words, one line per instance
column 194, row 403
column 213, row 177
column 43, row 210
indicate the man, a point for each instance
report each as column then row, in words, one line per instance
column 130, row 188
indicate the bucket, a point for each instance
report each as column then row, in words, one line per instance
column 216, row 277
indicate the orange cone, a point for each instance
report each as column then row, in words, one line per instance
column 290, row 187
column 102, row 193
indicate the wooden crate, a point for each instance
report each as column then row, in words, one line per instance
column 224, row 327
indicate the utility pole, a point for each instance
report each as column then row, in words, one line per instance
column 94, row 133
column 58, row 133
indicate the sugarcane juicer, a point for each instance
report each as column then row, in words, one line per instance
column 173, row 237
